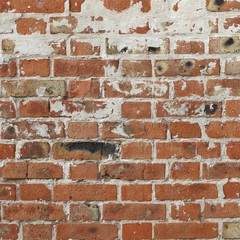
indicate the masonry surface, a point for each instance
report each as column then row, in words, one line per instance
column 119, row 119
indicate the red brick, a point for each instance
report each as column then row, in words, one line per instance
column 187, row 150
column 136, row 68
column 232, row 190
column 186, row 230
column 188, row 88
column 32, row 6
column 175, row 108
column 31, row 170
column 15, row 170
column 83, row 130
column 8, row 69
column 137, row 231
column 84, row 89
column 187, row 67
column 189, row 47
column 84, row 212
column 84, row 171
column 232, row 24
column 84, row 150
column 134, row 212
column 221, row 170
column 8, row 231
column 136, row 110
column 59, row 47
column 186, row 211
column 32, row 130
column 91, row 231
column 7, row 109
column 79, row 48
column 85, row 192
column 137, row 192
column 233, row 150
column 82, row 68
column 232, row 108
column 34, row 192
column 226, row 87
column 137, row 89
column 75, row 5
column 117, row 6
column 228, row 129
column 40, row 67
column 134, row 129
column 187, row 170
column 35, row 150
column 132, row 171
column 33, row 108
column 65, row 25
column 37, row 232
column 137, row 150
column 226, row 210
column 186, row 192
column 7, row 151
column 44, row 170
column 7, row 192
column 28, row 26
column 185, row 130
column 33, row 212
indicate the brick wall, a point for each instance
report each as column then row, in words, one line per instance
column 119, row 119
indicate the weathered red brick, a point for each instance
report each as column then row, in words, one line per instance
column 39, row 67
column 28, row 26
column 132, row 211
column 34, row 192
column 84, row 192
column 91, row 231
column 33, row 212
column 186, row 230
column 37, row 231
column 187, row 191
column 32, row 6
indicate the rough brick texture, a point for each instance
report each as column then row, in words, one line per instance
column 119, row 119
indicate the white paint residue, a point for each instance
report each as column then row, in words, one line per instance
column 176, row 110
column 41, row 129
column 41, row 91
column 120, row 131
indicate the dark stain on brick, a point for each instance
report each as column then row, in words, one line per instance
column 153, row 49
column 229, row 42
column 219, row 2
column 210, row 109
column 93, row 147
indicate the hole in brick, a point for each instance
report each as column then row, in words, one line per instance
column 153, row 49
column 229, row 42
column 210, row 109
column 219, row 2
column 125, row 49
column 188, row 64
